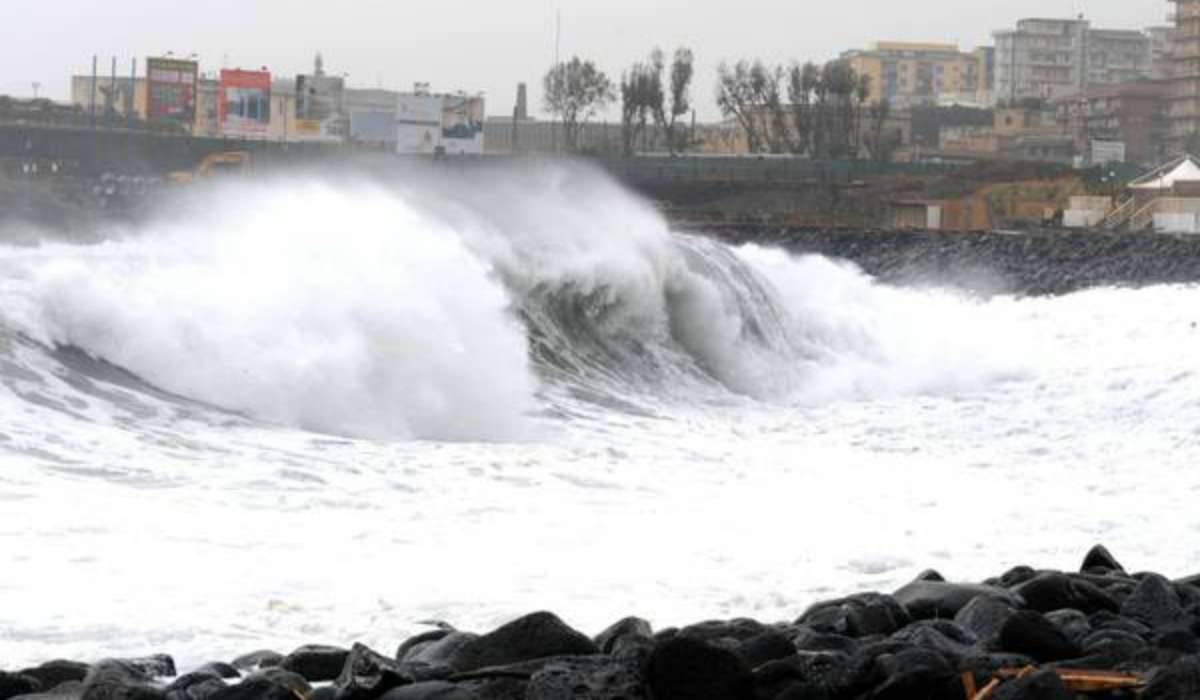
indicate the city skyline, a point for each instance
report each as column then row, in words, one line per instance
column 455, row 45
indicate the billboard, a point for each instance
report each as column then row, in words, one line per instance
column 462, row 124
column 450, row 124
column 244, row 103
column 1105, row 152
column 171, row 92
column 419, row 123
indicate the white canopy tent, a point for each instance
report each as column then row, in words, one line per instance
column 1183, row 169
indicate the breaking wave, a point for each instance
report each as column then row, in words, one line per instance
column 467, row 308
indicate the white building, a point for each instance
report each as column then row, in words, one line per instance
column 439, row 124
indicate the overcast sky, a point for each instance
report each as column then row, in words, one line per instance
column 486, row 45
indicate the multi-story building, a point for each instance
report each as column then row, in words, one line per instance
column 1185, row 77
column 909, row 74
column 1049, row 58
column 1116, row 56
column 1162, row 40
column 1133, row 115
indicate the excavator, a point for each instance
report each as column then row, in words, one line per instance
column 214, row 165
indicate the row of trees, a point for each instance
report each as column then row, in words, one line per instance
column 576, row 91
column 645, row 100
column 818, row 111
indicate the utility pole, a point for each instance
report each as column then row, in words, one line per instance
column 95, row 77
column 36, row 86
column 112, row 96
column 131, row 104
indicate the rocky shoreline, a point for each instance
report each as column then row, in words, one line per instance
column 1026, row 263
column 1023, row 634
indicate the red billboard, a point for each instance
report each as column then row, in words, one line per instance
column 244, row 102
column 171, row 93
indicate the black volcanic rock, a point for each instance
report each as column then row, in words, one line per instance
column 57, row 672
column 119, row 680
column 926, row 600
column 14, row 684
column 635, row 627
column 220, row 669
column 439, row 652
column 1100, row 560
column 808, row 639
column 413, row 644
column 535, row 636
column 1052, row 591
column 198, row 685
column 599, row 677
column 1040, row 685
column 263, row 658
column 685, row 668
column 431, row 690
column 1179, row 681
column 984, row 616
column 943, row 636
column 1030, row 633
column 155, row 666
column 724, row 633
column 315, row 662
column 1153, row 602
column 259, row 687
column 368, row 675
column 859, row 615
column 768, row 646
column 1072, row 623
column 916, row 673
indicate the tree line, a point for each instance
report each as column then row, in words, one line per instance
column 820, row 111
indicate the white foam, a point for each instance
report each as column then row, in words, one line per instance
column 339, row 309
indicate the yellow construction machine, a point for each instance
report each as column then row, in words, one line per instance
column 213, row 165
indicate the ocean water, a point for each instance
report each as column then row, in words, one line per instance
column 331, row 410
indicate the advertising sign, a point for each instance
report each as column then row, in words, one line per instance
column 419, row 123
column 245, row 102
column 1105, row 152
column 450, row 124
column 171, row 93
column 462, row 124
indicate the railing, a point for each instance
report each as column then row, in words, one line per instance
column 1117, row 217
column 1145, row 216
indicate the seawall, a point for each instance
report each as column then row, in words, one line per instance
column 1026, row 263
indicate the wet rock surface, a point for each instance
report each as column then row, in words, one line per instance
column 1031, row 632
column 1026, row 262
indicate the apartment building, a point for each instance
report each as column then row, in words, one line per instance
column 1132, row 114
column 1162, row 44
column 1185, row 78
column 908, row 74
column 1051, row 58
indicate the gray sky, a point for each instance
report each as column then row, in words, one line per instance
column 486, row 45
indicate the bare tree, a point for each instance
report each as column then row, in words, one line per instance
column 575, row 92
column 750, row 93
column 880, row 141
column 735, row 99
column 802, row 81
column 668, row 114
column 641, row 99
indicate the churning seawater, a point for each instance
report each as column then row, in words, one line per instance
column 301, row 411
